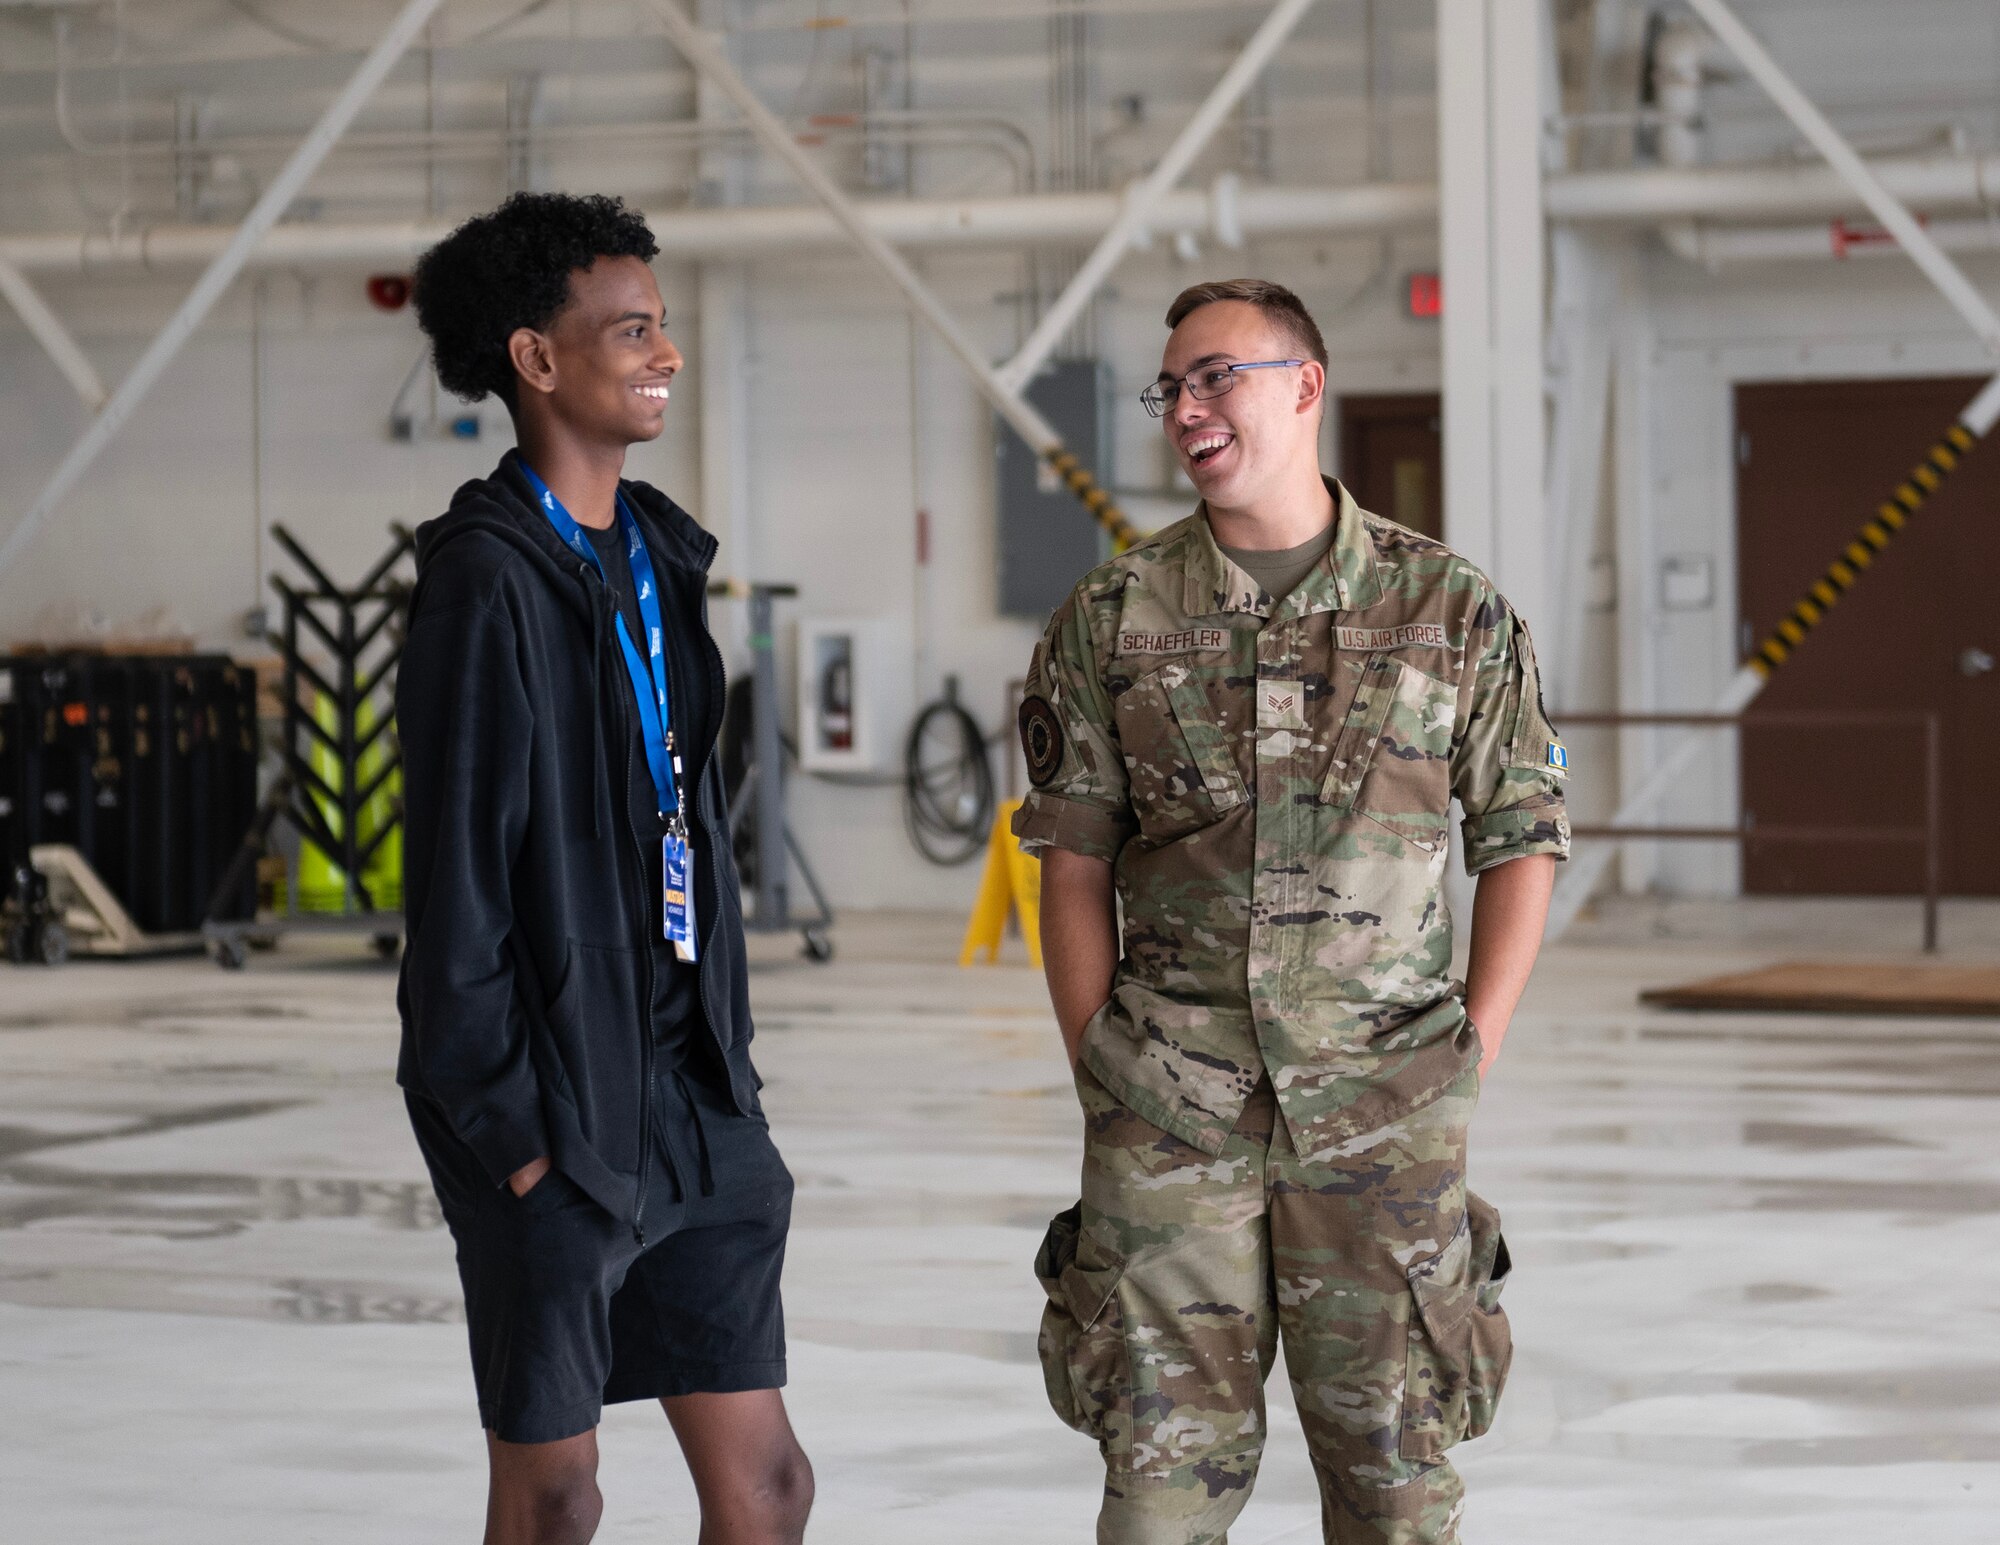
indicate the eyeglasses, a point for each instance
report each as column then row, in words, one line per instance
column 1209, row 381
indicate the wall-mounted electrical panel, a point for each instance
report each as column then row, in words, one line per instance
column 1048, row 540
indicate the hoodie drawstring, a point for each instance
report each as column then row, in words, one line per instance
column 670, row 1152
column 700, row 1134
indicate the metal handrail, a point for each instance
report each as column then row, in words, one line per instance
column 1930, row 834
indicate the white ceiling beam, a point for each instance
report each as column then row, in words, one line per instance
column 220, row 273
column 1885, row 206
column 47, row 330
column 701, row 51
column 1144, row 195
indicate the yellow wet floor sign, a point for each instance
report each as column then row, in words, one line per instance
column 1012, row 882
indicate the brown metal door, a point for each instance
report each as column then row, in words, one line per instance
column 1392, row 458
column 1813, row 462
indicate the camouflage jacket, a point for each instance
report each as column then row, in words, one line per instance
column 1271, row 782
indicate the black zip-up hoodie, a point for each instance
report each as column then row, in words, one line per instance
column 528, row 979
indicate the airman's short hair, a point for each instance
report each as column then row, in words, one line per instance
column 1281, row 308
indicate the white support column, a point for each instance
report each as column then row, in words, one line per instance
column 1465, row 248
column 1515, row 40
column 1583, row 316
column 208, row 289
column 722, row 337
column 722, row 374
column 1490, row 72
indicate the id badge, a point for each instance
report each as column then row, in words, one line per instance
column 677, row 894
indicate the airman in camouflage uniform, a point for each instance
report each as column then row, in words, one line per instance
column 1277, row 1093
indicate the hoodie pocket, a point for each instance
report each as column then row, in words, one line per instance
column 600, row 1028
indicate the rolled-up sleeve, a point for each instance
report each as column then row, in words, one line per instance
column 1077, row 797
column 1508, row 764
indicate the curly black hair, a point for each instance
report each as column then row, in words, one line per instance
column 510, row 268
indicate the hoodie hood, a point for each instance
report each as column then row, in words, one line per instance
column 503, row 504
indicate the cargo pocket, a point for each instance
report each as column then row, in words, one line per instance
column 1178, row 765
column 1391, row 762
column 1460, row 1346
column 1082, row 1342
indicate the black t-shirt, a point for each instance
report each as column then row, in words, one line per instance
column 676, row 993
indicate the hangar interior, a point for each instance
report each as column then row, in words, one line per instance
column 1603, row 313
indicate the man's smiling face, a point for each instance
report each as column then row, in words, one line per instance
column 1240, row 445
column 613, row 359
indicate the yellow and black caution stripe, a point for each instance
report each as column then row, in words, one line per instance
column 1095, row 499
column 1890, row 517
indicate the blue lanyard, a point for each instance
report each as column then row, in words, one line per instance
column 649, row 674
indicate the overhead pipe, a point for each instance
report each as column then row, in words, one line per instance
column 1945, row 275
column 1714, row 247
column 1648, row 195
column 1227, row 212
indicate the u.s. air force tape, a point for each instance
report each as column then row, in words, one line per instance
column 1041, row 741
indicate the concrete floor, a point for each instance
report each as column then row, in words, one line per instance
column 1755, row 1298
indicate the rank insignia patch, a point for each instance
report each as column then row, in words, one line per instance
column 1041, row 741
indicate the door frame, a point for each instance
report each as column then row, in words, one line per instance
column 1675, row 447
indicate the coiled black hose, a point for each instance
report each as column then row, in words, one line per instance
column 948, row 800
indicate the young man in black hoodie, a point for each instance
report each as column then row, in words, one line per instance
column 576, row 1022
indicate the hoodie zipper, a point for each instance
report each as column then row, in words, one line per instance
column 600, row 596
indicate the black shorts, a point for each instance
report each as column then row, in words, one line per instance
column 566, row 1312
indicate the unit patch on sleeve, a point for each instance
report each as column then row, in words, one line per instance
column 1403, row 636
column 1184, row 641
column 1041, row 741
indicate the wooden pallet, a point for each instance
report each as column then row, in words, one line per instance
column 1825, row 987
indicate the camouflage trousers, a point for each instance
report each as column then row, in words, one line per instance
column 1173, row 1281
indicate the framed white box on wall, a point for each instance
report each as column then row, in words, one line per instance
column 853, row 683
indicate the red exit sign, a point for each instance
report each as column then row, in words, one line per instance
column 1426, row 296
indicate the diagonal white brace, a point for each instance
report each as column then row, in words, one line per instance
column 208, row 289
column 50, row 333
column 1885, row 206
column 1148, row 191
column 701, row 51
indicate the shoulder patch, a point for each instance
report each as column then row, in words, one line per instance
column 1041, row 741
